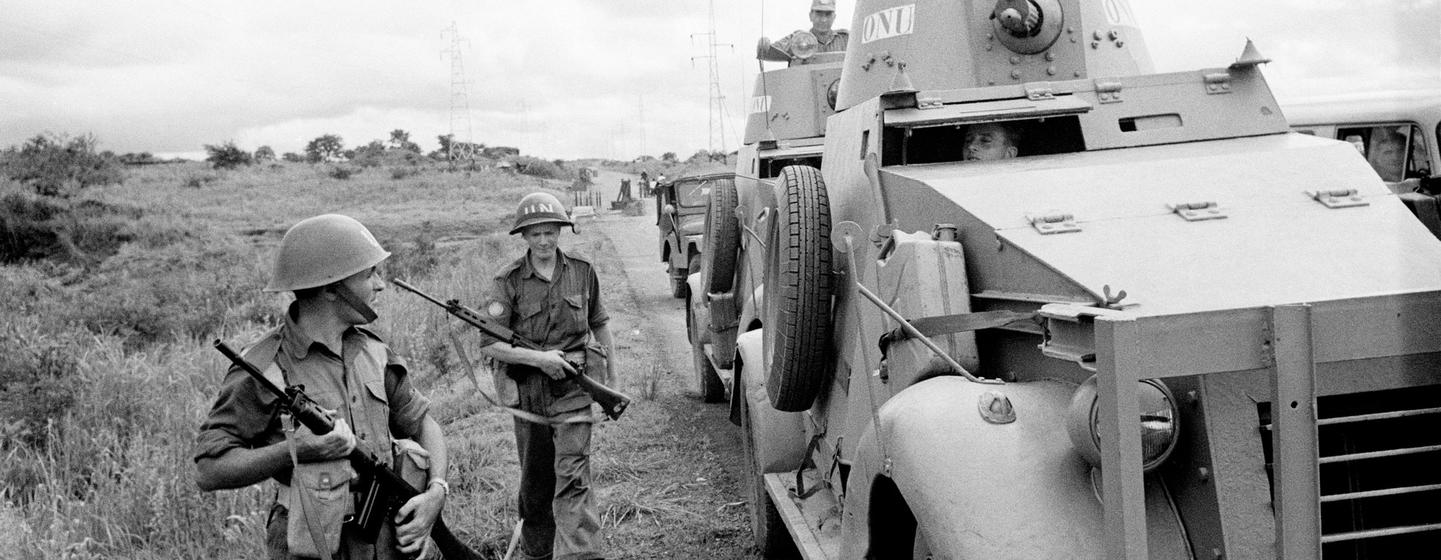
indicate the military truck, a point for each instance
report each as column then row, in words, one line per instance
column 680, row 208
column 1170, row 328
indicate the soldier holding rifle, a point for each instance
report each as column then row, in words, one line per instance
column 552, row 298
column 330, row 263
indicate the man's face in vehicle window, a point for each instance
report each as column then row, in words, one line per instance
column 1387, row 154
column 988, row 142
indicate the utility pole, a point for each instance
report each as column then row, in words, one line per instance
column 640, row 102
column 717, row 99
column 459, row 98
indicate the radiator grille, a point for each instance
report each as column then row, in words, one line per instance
column 1380, row 472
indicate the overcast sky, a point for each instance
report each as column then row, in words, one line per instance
column 558, row 78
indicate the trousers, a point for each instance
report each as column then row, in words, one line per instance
column 556, row 502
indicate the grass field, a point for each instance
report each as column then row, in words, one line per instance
column 106, row 367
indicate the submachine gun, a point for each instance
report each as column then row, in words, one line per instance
column 384, row 490
column 612, row 402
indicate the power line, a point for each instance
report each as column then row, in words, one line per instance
column 717, row 99
column 459, row 96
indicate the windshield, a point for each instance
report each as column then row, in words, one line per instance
column 692, row 194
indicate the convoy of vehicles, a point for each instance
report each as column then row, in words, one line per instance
column 1171, row 328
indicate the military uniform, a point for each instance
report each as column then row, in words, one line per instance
column 366, row 385
column 557, row 506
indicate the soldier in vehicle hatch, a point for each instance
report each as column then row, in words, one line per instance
column 990, row 141
column 823, row 16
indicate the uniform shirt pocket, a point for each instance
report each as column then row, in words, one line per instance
column 575, row 312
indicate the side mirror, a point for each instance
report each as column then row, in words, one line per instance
column 669, row 209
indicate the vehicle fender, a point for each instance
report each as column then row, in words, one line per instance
column 693, row 244
column 986, row 490
column 699, row 313
column 780, row 437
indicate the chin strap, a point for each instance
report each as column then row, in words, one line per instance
column 355, row 302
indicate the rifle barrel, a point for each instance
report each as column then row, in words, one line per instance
column 249, row 368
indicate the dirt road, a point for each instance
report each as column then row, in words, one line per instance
column 686, row 489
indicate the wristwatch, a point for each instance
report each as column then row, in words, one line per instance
column 444, row 486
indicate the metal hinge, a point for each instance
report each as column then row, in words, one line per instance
column 930, row 103
column 1197, row 211
column 1053, row 223
column 1108, row 92
column 1338, row 198
column 1217, row 83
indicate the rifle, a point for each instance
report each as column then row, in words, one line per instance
column 611, row 401
column 384, row 489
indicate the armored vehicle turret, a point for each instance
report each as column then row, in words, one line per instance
column 1158, row 325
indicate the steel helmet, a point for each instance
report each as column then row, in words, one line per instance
column 323, row 250
column 539, row 208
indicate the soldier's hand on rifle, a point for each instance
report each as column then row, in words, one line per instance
column 337, row 444
column 414, row 519
column 553, row 363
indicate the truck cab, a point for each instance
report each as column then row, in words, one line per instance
column 1169, row 327
column 680, row 217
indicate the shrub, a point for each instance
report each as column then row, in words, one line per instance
column 536, row 167
column 60, row 166
column 227, row 156
column 340, row 172
column 264, row 153
column 43, row 228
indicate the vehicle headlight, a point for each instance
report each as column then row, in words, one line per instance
column 1159, row 417
column 803, row 45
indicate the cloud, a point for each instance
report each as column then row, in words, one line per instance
column 558, row 79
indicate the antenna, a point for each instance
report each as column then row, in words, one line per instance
column 459, row 98
column 717, row 99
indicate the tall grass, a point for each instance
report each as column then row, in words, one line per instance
column 106, row 369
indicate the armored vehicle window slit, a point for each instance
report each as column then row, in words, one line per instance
column 937, row 143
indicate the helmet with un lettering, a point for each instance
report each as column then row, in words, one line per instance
column 322, row 250
column 539, row 208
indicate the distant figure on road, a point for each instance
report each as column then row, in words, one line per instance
column 552, row 298
column 990, row 141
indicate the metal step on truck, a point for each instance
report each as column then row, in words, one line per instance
column 1037, row 300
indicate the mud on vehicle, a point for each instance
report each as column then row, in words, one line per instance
column 1170, row 328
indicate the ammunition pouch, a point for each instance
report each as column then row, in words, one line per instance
column 319, row 500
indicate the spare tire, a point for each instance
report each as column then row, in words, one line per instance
column 722, row 237
column 798, row 287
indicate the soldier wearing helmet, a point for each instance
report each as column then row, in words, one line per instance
column 330, row 263
column 552, row 298
column 825, row 39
